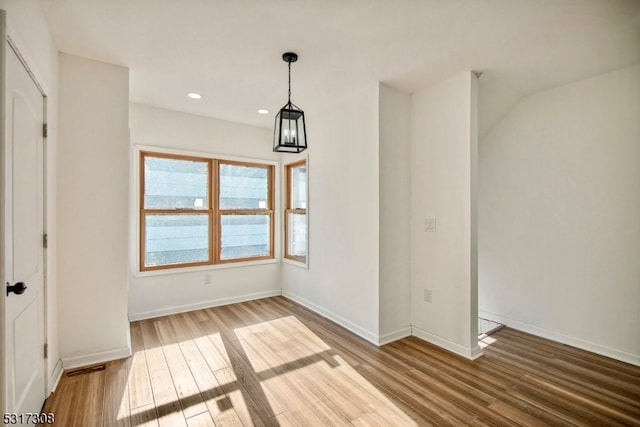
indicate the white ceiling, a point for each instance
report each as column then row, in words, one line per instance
column 230, row 50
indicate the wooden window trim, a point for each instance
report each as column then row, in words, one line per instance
column 212, row 210
column 288, row 210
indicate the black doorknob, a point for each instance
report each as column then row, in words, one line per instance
column 17, row 289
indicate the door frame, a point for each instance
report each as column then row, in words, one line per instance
column 7, row 44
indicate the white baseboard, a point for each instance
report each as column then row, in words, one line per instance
column 564, row 339
column 73, row 362
column 380, row 340
column 200, row 305
column 361, row 332
column 54, row 379
column 77, row 361
column 471, row 354
column 394, row 336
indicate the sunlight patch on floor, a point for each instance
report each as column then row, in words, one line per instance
column 486, row 342
column 297, row 368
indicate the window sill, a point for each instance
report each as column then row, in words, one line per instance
column 184, row 270
column 298, row 264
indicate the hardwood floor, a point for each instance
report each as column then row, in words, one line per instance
column 272, row 362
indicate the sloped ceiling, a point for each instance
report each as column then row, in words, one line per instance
column 230, row 50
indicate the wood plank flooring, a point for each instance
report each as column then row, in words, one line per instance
column 272, row 362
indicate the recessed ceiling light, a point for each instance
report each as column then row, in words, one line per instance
column 194, row 95
column 263, row 111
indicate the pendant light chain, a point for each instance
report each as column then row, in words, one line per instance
column 289, row 82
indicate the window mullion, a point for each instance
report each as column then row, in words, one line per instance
column 215, row 204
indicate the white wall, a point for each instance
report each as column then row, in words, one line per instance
column 342, row 278
column 158, row 293
column 559, row 215
column 495, row 100
column 93, row 207
column 28, row 29
column 443, row 167
column 394, row 109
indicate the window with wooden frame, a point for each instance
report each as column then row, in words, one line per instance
column 200, row 211
column 245, row 211
column 295, row 220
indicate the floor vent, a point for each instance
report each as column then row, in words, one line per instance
column 86, row 370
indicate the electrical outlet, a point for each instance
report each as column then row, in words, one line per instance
column 427, row 295
column 430, row 225
column 207, row 279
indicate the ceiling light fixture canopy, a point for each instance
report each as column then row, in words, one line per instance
column 290, row 133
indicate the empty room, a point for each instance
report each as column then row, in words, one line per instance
column 311, row 213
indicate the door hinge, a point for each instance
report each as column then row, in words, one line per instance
column 45, row 240
column 46, row 350
column 45, row 129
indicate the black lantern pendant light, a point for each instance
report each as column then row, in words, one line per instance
column 290, row 133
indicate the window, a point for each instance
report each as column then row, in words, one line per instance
column 200, row 211
column 176, row 211
column 296, row 212
column 245, row 211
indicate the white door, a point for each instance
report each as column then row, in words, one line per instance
column 23, row 242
